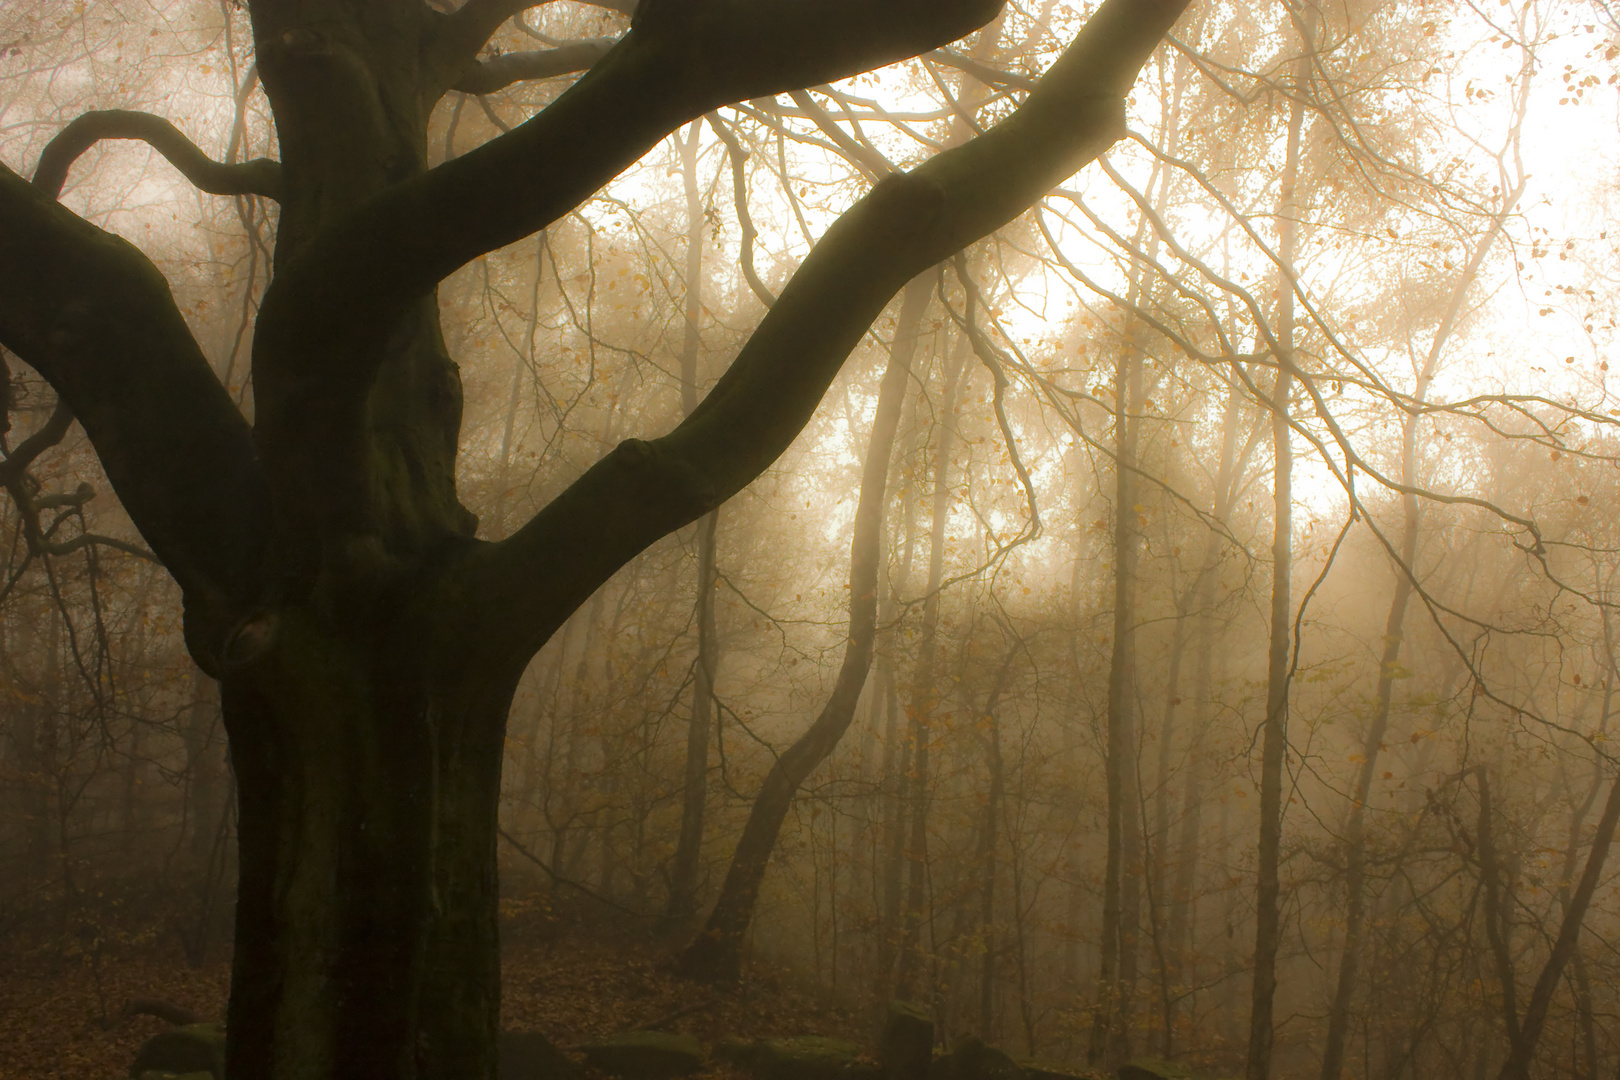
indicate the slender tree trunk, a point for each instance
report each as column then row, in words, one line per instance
column 1525, row 1035
column 897, row 771
column 683, row 879
column 986, row 861
column 1073, row 801
column 1583, row 984
column 1497, row 905
column 1181, row 900
column 1111, row 1023
column 924, row 695
column 717, row 952
column 1267, row 936
column 1153, row 849
column 520, row 367
column 896, row 743
column 1586, row 1016
column 1355, row 839
column 1355, row 842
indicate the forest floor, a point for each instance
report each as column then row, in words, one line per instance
column 59, row 1006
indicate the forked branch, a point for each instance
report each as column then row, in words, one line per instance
column 906, row 224
column 679, row 61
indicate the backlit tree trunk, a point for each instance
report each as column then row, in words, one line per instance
column 1274, row 737
column 717, row 951
column 924, row 697
column 1181, row 901
column 683, row 878
column 1405, row 569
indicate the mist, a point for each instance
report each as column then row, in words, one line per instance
column 544, row 521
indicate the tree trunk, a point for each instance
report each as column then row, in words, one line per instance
column 1497, row 908
column 1228, row 476
column 205, row 763
column 896, row 743
column 924, row 696
column 683, row 878
column 368, row 801
column 716, row 953
column 208, row 813
column 896, row 772
column 1355, row 840
column 1525, row 1034
column 986, row 861
column 1110, row 1034
column 1267, row 934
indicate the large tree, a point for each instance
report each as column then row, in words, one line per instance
column 366, row 643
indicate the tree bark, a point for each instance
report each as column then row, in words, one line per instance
column 1110, row 1033
column 924, row 695
column 896, row 743
column 1274, row 741
column 683, row 878
column 205, row 766
column 367, row 832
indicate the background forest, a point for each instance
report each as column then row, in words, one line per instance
column 1242, row 524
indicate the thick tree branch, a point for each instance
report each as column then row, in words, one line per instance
column 92, row 315
column 350, row 284
column 257, row 177
column 909, row 222
column 488, row 76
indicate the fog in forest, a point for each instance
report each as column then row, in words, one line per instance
column 1183, row 629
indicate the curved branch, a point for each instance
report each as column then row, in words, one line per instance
column 681, row 59
column 716, row 953
column 92, row 315
column 739, row 197
column 488, row 76
column 260, row 176
column 907, row 223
